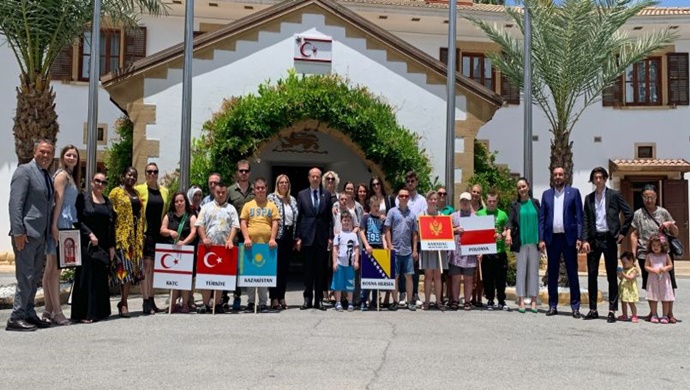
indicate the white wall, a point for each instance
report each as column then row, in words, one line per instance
column 418, row 106
column 620, row 129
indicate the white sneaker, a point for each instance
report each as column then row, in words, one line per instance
column 403, row 301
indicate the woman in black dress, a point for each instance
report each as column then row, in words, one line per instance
column 90, row 295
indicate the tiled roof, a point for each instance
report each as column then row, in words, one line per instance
column 652, row 164
column 650, row 11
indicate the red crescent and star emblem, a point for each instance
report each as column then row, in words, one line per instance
column 307, row 49
column 163, row 260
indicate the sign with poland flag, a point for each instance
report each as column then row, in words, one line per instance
column 216, row 268
column 173, row 266
column 478, row 238
column 436, row 233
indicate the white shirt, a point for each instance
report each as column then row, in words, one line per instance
column 416, row 204
column 600, row 212
column 558, row 198
column 289, row 216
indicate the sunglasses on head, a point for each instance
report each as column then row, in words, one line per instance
column 100, row 182
column 152, row 171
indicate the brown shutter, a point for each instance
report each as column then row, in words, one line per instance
column 509, row 92
column 678, row 79
column 613, row 95
column 135, row 45
column 61, row 69
column 443, row 55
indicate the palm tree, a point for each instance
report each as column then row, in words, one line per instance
column 578, row 50
column 36, row 31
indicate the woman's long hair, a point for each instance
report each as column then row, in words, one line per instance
column 187, row 205
column 74, row 174
column 529, row 192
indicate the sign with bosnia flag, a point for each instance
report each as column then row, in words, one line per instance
column 378, row 270
column 258, row 266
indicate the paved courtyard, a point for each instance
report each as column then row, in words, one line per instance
column 329, row 350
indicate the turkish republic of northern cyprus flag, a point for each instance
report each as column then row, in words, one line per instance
column 216, row 268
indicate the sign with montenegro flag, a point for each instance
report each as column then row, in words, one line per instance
column 258, row 266
column 378, row 271
column 436, row 233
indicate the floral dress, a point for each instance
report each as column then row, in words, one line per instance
column 129, row 238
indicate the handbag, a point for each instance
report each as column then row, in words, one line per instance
column 674, row 244
column 97, row 253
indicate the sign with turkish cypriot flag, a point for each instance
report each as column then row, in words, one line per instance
column 173, row 266
column 478, row 238
column 313, row 49
column 436, row 232
column 216, row 268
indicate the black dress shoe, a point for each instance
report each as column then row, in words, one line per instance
column 592, row 315
column 552, row 312
column 319, row 306
column 40, row 324
column 611, row 318
column 306, row 305
column 19, row 326
column 577, row 314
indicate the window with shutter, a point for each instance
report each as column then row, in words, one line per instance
column 62, row 67
column 612, row 95
column 135, row 45
column 109, row 50
column 509, row 92
column 443, row 57
column 678, row 79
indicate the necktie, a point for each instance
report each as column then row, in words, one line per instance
column 49, row 183
column 316, row 199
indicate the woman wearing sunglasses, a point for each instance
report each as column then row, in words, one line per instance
column 156, row 202
column 90, row 294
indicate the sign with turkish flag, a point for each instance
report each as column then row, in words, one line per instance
column 216, row 268
column 436, row 232
column 479, row 236
column 173, row 266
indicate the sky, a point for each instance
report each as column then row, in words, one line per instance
column 662, row 3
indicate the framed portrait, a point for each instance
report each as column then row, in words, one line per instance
column 69, row 248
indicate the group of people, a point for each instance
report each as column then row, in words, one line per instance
column 330, row 229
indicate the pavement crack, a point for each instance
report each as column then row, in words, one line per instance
column 384, row 354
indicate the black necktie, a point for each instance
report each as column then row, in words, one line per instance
column 316, row 200
column 49, row 183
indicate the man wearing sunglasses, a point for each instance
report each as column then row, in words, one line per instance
column 417, row 205
column 213, row 180
column 238, row 194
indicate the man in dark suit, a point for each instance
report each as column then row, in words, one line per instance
column 31, row 199
column 560, row 228
column 314, row 234
column 601, row 233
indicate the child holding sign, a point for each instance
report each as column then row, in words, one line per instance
column 345, row 261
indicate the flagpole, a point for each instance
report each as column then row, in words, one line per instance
column 450, row 103
column 92, row 109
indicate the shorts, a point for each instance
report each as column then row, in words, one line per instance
column 404, row 265
column 455, row 270
column 343, row 279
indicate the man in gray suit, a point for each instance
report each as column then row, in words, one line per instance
column 31, row 199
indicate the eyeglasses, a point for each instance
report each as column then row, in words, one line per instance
column 213, row 183
column 152, row 172
column 376, row 184
column 411, row 181
column 243, row 170
column 282, row 182
column 442, row 193
column 330, row 179
column 100, row 182
column 403, row 196
column 649, row 198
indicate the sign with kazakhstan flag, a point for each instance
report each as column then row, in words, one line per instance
column 258, row 266
column 378, row 271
